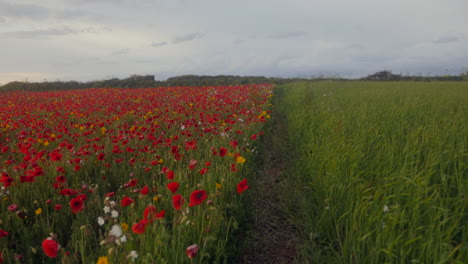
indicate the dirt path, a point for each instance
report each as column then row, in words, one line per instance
column 271, row 239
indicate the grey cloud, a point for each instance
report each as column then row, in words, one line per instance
column 158, row 44
column 446, row 39
column 287, row 35
column 121, row 51
column 357, row 46
column 39, row 33
column 187, row 37
column 23, row 11
column 50, row 32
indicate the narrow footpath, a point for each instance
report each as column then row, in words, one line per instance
column 271, row 238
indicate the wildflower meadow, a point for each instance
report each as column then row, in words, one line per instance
column 103, row 176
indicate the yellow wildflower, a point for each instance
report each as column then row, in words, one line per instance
column 38, row 211
column 240, row 159
column 103, row 260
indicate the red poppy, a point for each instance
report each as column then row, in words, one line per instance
column 3, row 233
column 144, row 190
column 234, row 143
column 222, row 152
column 60, row 178
column 177, row 201
column 160, row 214
column 203, row 171
column 101, row 156
column 164, row 169
column 191, row 251
column 190, row 145
column 76, row 205
column 170, row 175
column 82, row 197
column 242, row 186
column 110, row 194
column 58, row 207
column 126, row 201
column 149, row 212
column 253, row 137
column 140, row 227
column 193, row 163
column 50, row 247
column 55, row 156
column 12, row 207
column 197, row 197
column 133, row 182
column 68, row 192
column 173, row 186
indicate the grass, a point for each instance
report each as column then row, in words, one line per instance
column 380, row 170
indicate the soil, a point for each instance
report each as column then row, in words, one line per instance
column 272, row 238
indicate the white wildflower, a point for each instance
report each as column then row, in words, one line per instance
column 133, row 255
column 100, row 221
column 386, row 209
column 106, row 209
column 116, row 231
column 114, row 214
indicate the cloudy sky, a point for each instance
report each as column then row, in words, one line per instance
column 97, row 39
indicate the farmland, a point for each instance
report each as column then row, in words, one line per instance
column 341, row 171
column 115, row 175
column 380, row 170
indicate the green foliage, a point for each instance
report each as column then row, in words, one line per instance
column 381, row 170
column 136, row 81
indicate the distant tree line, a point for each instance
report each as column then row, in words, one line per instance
column 145, row 81
column 389, row 76
column 137, row 81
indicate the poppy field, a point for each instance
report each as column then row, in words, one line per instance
column 106, row 175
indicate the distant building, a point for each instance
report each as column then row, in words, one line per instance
column 383, row 75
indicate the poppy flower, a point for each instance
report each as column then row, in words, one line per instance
column 101, row 156
column 140, row 227
column 177, row 201
column 191, row 251
column 170, row 175
column 50, row 247
column 133, row 182
column 149, row 211
column 58, row 207
column 160, row 214
column 203, row 171
column 173, row 186
column 60, row 178
column 197, row 197
column 126, row 201
column 242, row 186
column 222, row 152
column 55, row 156
column 164, row 169
column 190, row 145
column 76, row 205
column 234, row 143
column 3, row 233
column 193, row 163
column 12, row 207
column 144, row 190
